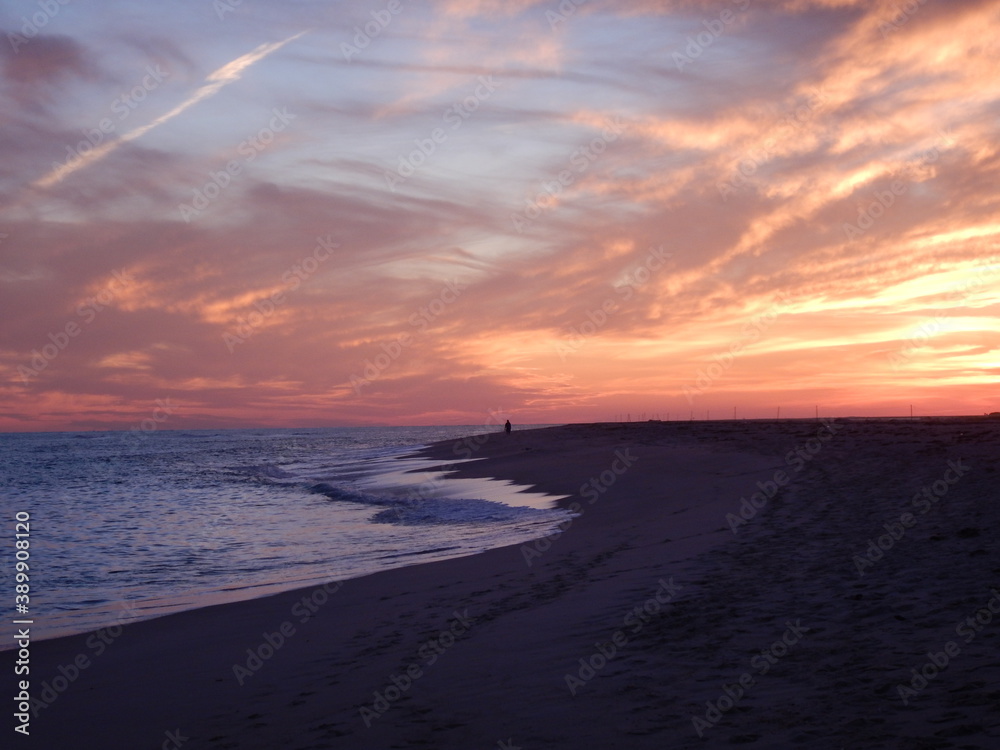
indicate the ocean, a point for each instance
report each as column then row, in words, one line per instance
column 127, row 526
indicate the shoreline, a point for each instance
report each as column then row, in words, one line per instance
column 389, row 475
column 621, row 630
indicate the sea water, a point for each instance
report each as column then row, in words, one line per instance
column 127, row 526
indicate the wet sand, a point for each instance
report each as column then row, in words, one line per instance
column 763, row 584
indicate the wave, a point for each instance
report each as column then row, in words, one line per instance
column 408, row 511
column 264, row 472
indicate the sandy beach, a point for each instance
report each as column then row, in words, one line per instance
column 827, row 584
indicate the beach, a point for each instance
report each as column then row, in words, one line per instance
column 813, row 583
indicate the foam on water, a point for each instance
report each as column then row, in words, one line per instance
column 124, row 528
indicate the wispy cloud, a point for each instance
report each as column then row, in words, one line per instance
column 831, row 154
column 214, row 83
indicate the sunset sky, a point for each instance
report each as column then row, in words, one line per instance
column 225, row 214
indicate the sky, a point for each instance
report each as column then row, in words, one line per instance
column 298, row 214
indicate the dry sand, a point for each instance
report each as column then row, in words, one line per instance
column 777, row 635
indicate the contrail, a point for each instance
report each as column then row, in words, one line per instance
column 225, row 75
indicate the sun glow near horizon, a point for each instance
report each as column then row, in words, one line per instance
column 606, row 212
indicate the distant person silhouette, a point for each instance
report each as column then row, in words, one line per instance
column 506, row 427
